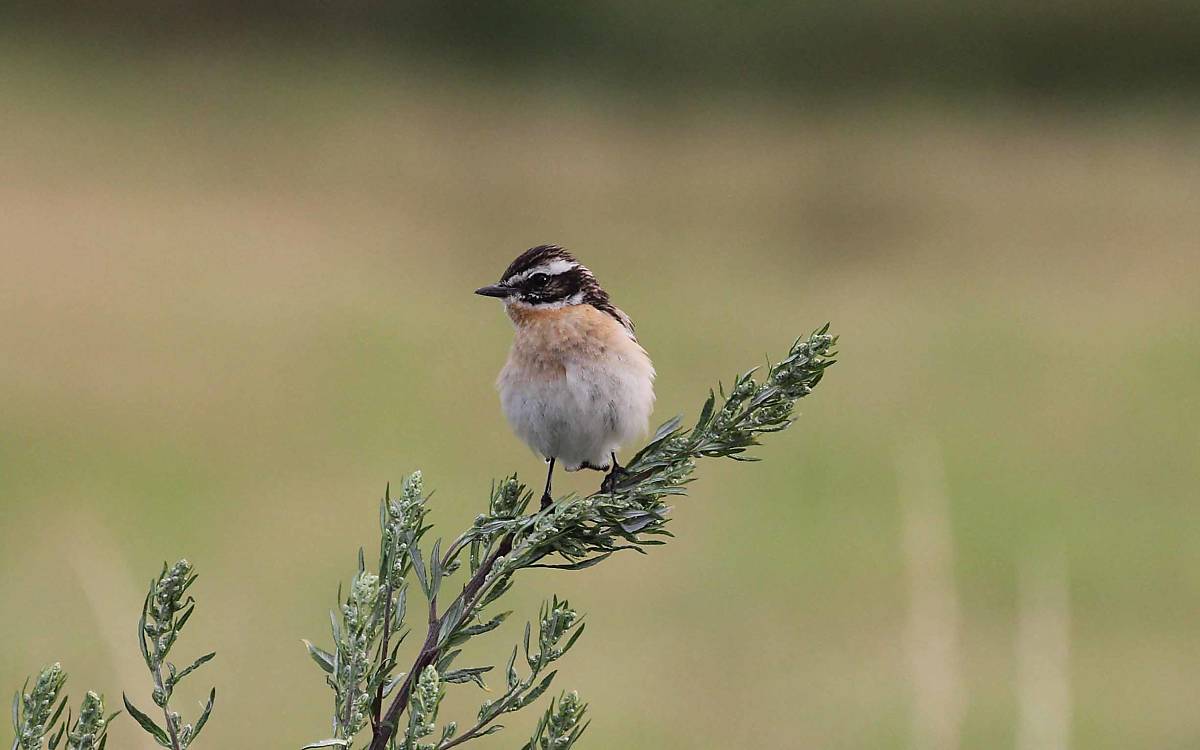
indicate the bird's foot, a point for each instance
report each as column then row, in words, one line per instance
column 547, row 501
column 614, row 475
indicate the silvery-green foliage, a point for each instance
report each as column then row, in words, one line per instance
column 35, row 712
column 360, row 667
column 560, row 726
column 165, row 612
column 34, row 715
column 423, row 710
column 559, row 627
column 572, row 533
column 633, row 513
column 90, row 731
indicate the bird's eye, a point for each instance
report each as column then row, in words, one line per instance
column 538, row 279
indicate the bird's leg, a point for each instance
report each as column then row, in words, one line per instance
column 614, row 473
column 546, row 499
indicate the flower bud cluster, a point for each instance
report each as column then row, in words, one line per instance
column 168, row 593
column 564, row 720
column 88, row 729
column 557, row 619
column 506, row 499
column 408, row 510
column 798, row 373
column 401, row 522
column 361, row 627
column 423, row 708
column 38, row 707
column 364, row 592
column 561, row 725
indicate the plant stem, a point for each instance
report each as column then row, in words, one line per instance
column 454, row 548
column 350, row 693
column 377, row 705
column 429, row 650
column 158, row 683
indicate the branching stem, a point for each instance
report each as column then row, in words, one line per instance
column 628, row 512
column 429, row 650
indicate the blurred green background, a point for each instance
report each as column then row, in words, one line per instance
column 237, row 247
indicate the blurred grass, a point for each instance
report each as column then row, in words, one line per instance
column 235, row 294
column 978, row 49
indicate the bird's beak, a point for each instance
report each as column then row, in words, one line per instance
column 495, row 290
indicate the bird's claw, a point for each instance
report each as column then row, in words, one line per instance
column 611, row 478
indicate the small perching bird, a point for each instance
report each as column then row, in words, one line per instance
column 577, row 385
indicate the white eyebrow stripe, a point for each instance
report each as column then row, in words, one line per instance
column 553, row 268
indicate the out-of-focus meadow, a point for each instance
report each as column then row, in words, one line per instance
column 235, row 301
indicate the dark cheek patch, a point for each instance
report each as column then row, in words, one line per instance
column 557, row 288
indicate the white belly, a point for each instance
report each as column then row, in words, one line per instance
column 583, row 416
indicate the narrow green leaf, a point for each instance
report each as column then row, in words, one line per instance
column 147, row 723
column 192, row 667
column 451, row 620
column 706, row 413
column 323, row 658
column 208, row 707
column 333, row 624
column 577, row 565
column 484, row 627
column 511, row 672
column 443, row 664
column 498, row 589
column 57, row 713
column 536, row 692
column 666, row 428
column 401, row 607
column 142, row 638
column 391, row 684
column 575, row 735
column 418, row 565
column 467, row 674
column 187, row 615
column 574, row 637
column 52, row 743
column 435, row 568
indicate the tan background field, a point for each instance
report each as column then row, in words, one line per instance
column 235, row 296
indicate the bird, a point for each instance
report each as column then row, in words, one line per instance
column 577, row 384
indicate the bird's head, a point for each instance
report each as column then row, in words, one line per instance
column 545, row 277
